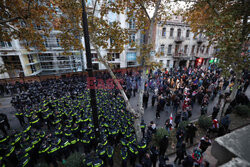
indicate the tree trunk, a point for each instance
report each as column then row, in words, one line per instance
column 148, row 42
column 137, row 116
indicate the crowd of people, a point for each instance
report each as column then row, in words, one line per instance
column 56, row 118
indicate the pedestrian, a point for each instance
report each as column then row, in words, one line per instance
column 184, row 115
column 154, row 154
column 205, row 142
column 152, row 127
column 158, row 110
column 180, row 153
column 146, row 161
column 216, row 110
column 190, row 133
column 225, row 122
column 153, row 99
column 179, row 137
column 188, row 161
column 246, row 85
column 145, row 99
column 163, row 145
column 177, row 119
column 168, row 125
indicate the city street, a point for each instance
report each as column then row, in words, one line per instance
column 149, row 114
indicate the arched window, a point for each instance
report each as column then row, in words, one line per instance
column 171, row 32
column 163, row 32
column 179, row 33
column 187, row 34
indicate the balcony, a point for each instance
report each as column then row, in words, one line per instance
column 181, row 55
column 177, row 54
column 200, row 40
column 178, row 39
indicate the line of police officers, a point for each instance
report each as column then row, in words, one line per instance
column 56, row 118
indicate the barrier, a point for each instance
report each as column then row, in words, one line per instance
column 29, row 79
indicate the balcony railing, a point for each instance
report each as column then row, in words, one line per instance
column 178, row 39
column 201, row 40
column 180, row 54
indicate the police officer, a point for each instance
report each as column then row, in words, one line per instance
column 124, row 155
column 110, row 153
column 143, row 127
column 4, row 122
column 133, row 152
column 142, row 149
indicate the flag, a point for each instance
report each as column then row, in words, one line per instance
column 171, row 121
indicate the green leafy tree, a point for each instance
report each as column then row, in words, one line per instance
column 226, row 25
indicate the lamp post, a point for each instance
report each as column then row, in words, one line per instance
column 90, row 69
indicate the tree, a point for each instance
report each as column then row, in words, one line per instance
column 32, row 21
column 225, row 24
column 111, row 36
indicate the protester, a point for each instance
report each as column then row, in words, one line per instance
column 205, row 142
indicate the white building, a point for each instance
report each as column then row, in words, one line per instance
column 179, row 47
column 20, row 62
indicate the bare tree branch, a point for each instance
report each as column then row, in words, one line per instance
column 156, row 10
column 145, row 10
column 212, row 7
column 9, row 20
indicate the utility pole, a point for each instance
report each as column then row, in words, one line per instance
column 90, row 69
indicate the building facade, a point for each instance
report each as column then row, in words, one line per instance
column 179, row 47
column 20, row 62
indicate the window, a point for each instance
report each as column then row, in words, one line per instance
column 187, row 34
column 2, row 44
column 169, row 49
column 142, row 39
column 162, row 48
column 185, row 49
column 207, row 51
column 89, row 3
column 168, row 62
column 58, row 42
column 30, row 57
column 33, row 68
column 202, row 49
column 131, row 39
column 131, row 56
column 117, row 55
column 161, row 61
column 113, row 56
column 198, row 48
column 163, row 32
column 131, row 24
column 179, row 33
column 9, row 44
column 171, row 32
column 5, row 44
column 45, row 41
column 193, row 47
column 94, row 55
